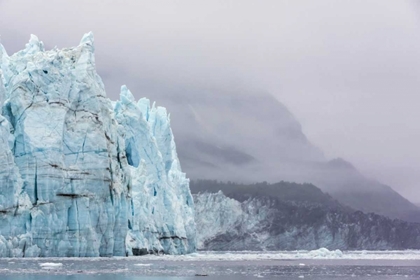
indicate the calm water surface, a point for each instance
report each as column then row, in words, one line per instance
column 138, row 268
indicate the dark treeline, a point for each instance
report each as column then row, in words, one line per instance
column 299, row 216
column 285, row 191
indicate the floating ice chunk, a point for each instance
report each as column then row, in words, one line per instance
column 49, row 264
column 325, row 253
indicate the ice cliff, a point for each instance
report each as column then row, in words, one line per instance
column 81, row 175
column 263, row 222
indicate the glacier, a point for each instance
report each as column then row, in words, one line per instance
column 81, row 175
column 251, row 220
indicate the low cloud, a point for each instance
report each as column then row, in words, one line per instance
column 349, row 71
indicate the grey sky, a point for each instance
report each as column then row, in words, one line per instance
column 348, row 70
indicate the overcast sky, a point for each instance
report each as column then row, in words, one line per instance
column 348, row 70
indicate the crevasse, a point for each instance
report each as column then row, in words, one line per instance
column 81, row 175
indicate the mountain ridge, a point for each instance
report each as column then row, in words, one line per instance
column 251, row 137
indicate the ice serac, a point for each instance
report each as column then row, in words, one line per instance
column 81, row 175
column 162, row 201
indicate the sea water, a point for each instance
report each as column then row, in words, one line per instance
column 221, row 265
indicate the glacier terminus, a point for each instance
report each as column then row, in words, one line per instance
column 81, row 175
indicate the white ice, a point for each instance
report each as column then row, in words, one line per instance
column 81, row 175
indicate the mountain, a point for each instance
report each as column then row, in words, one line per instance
column 221, row 134
column 290, row 216
column 344, row 182
column 80, row 175
column 249, row 137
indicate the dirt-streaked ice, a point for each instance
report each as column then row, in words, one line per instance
column 81, row 175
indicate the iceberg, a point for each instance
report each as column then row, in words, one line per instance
column 81, row 175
